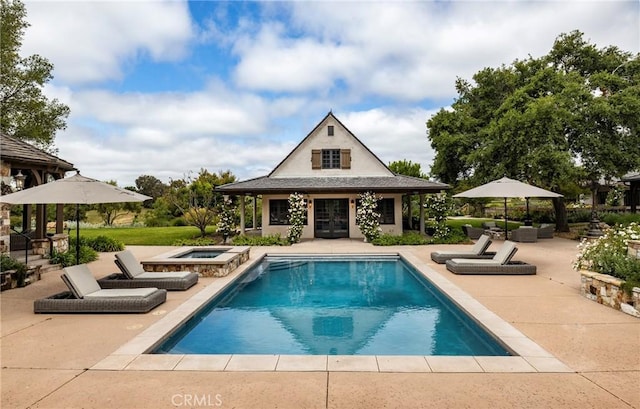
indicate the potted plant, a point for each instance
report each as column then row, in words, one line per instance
column 14, row 272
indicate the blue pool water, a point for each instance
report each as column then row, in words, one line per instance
column 332, row 306
column 202, row 254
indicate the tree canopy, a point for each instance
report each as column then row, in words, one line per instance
column 560, row 121
column 25, row 112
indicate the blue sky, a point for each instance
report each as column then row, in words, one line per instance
column 164, row 88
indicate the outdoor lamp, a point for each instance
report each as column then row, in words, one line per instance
column 19, row 180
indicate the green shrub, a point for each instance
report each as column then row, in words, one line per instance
column 200, row 241
column 612, row 218
column 68, row 258
column 579, row 216
column 179, row 222
column 271, row 240
column 103, row 244
column 407, row 239
column 608, row 255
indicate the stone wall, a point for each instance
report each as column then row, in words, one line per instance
column 59, row 243
column 633, row 250
column 5, row 228
column 605, row 289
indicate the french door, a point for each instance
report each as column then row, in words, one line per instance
column 331, row 218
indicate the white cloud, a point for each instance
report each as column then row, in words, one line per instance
column 392, row 134
column 94, row 41
column 414, row 50
column 378, row 65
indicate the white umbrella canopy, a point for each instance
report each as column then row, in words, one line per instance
column 76, row 190
column 506, row 188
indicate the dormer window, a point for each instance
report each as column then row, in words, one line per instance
column 330, row 130
column 331, row 159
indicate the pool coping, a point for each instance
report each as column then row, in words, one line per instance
column 531, row 358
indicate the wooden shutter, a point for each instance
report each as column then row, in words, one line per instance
column 316, row 159
column 345, row 158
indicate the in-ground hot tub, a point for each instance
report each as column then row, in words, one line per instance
column 207, row 261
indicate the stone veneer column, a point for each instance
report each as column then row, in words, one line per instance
column 5, row 227
column 633, row 249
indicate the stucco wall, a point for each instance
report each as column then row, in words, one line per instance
column 363, row 162
column 308, row 231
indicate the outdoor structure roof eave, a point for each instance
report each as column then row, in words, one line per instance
column 395, row 184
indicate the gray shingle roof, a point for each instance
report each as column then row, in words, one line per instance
column 396, row 184
column 15, row 150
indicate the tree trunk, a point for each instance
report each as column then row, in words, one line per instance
column 562, row 222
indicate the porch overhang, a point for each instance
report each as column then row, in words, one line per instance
column 388, row 184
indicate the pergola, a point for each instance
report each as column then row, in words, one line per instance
column 22, row 166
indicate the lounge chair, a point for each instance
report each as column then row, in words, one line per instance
column 545, row 231
column 472, row 232
column 478, row 251
column 86, row 295
column 524, row 234
column 134, row 276
column 491, row 226
column 500, row 264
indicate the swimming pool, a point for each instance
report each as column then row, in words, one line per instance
column 329, row 305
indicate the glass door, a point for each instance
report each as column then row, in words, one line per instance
column 331, row 218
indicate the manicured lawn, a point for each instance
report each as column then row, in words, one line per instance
column 144, row 236
column 167, row 236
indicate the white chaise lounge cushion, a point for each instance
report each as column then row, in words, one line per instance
column 169, row 274
column 80, row 280
column 130, row 264
column 122, row 292
column 503, row 255
column 83, row 285
column 481, row 245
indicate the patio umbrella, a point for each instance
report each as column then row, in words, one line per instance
column 76, row 190
column 506, row 188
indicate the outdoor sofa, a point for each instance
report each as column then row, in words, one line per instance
column 500, row 264
column 472, row 232
column 524, row 234
column 478, row 251
column 545, row 231
column 86, row 296
column 134, row 276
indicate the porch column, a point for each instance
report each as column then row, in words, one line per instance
column 242, row 223
column 409, row 212
column 59, row 218
column 422, row 231
column 255, row 212
column 41, row 221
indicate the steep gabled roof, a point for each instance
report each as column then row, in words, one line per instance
column 15, row 150
column 313, row 131
column 388, row 182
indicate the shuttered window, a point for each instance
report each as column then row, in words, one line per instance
column 345, row 158
column 331, row 159
column 316, row 159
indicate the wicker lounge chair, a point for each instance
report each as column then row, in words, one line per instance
column 472, row 232
column 477, row 251
column 134, row 276
column 545, row 231
column 86, row 295
column 500, row 264
column 524, row 234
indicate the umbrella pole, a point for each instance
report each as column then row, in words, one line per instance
column 506, row 227
column 77, row 234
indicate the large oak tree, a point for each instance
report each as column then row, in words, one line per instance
column 563, row 121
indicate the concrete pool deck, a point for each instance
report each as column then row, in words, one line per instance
column 47, row 358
